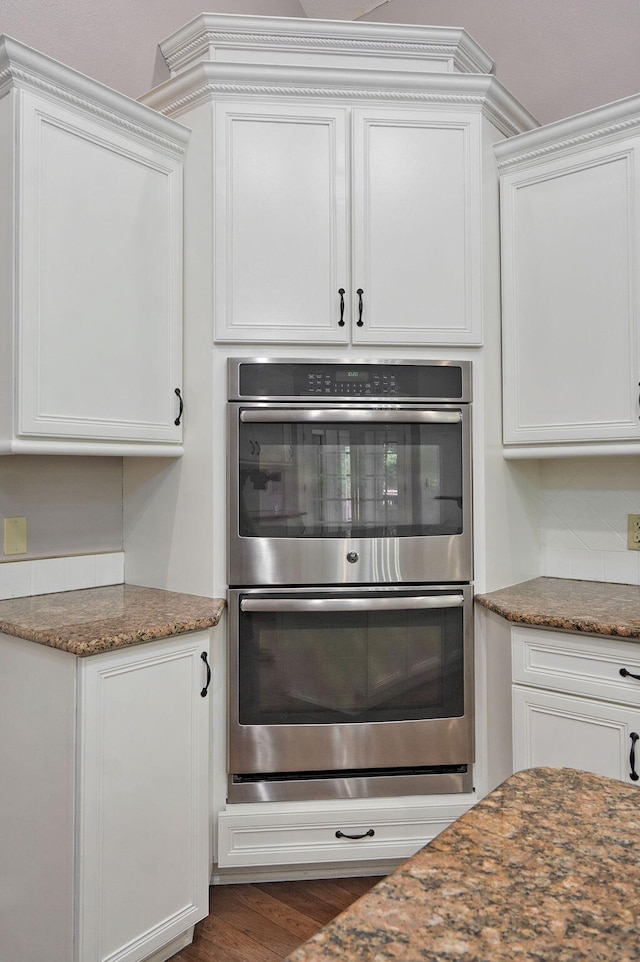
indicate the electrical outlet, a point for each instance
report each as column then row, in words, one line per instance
column 633, row 532
column 15, row 535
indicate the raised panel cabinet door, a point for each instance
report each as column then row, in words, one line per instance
column 281, row 223
column 143, row 852
column 570, row 298
column 417, row 230
column 565, row 731
column 99, row 280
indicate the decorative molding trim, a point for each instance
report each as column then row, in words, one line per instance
column 576, row 449
column 193, row 41
column 26, row 69
column 604, row 123
column 206, row 82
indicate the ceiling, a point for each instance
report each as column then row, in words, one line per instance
column 339, row 9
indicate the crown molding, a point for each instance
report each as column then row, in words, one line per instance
column 212, row 36
column 608, row 123
column 23, row 68
column 207, row 82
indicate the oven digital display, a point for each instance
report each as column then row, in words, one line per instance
column 342, row 376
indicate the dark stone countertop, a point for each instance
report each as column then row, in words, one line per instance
column 546, row 867
column 93, row 620
column 597, row 607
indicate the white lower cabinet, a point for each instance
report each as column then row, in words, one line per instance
column 319, row 833
column 105, row 762
column 572, row 707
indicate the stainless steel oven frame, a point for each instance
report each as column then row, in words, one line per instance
column 361, row 560
column 297, row 762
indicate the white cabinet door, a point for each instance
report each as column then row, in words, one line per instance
column 281, row 222
column 143, row 852
column 570, row 228
column 99, row 301
column 555, row 729
column 283, row 245
column 417, row 230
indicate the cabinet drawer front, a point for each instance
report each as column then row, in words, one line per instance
column 310, row 838
column 579, row 665
column 565, row 731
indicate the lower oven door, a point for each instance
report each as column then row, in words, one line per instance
column 348, row 692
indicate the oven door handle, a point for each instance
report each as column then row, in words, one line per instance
column 333, row 415
column 351, row 604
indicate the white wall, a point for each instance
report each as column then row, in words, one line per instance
column 116, row 41
column 584, row 503
column 556, row 56
column 73, row 506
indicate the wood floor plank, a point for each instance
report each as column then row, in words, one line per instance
column 327, row 891
column 291, row 894
column 226, row 943
column 265, row 922
column 262, row 917
column 356, row 887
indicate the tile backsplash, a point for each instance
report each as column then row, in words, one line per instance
column 584, row 503
column 43, row 576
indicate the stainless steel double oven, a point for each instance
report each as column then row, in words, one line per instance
column 350, row 578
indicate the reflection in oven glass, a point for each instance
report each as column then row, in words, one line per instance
column 357, row 667
column 335, row 480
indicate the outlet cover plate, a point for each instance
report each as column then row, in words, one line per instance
column 15, row 536
column 633, row 532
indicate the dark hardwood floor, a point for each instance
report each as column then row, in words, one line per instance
column 265, row 921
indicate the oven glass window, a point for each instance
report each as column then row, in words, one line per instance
column 338, row 480
column 348, row 667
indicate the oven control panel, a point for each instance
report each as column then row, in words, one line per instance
column 265, row 379
column 352, row 382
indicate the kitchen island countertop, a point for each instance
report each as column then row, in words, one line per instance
column 92, row 620
column 597, row 607
column 546, row 867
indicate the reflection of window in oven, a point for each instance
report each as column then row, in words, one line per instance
column 429, row 474
column 333, row 471
column 378, row 478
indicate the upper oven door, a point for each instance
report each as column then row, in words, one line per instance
column 349, row 495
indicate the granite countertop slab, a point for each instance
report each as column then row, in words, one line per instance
column 601, row 608
column 93, row 620
column 545, row 868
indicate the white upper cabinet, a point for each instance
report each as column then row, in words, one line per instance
column 286, row 266
column 91, row 253
column 417, row 229
column 347, row 166
column 570, row 274
column 281, row 224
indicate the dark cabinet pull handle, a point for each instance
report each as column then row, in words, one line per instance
column 204, row 691
column 360, row 322
column 355, row 838
column 179, row 396
column 627, row 674
column 341, row 321
column 632, row 757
